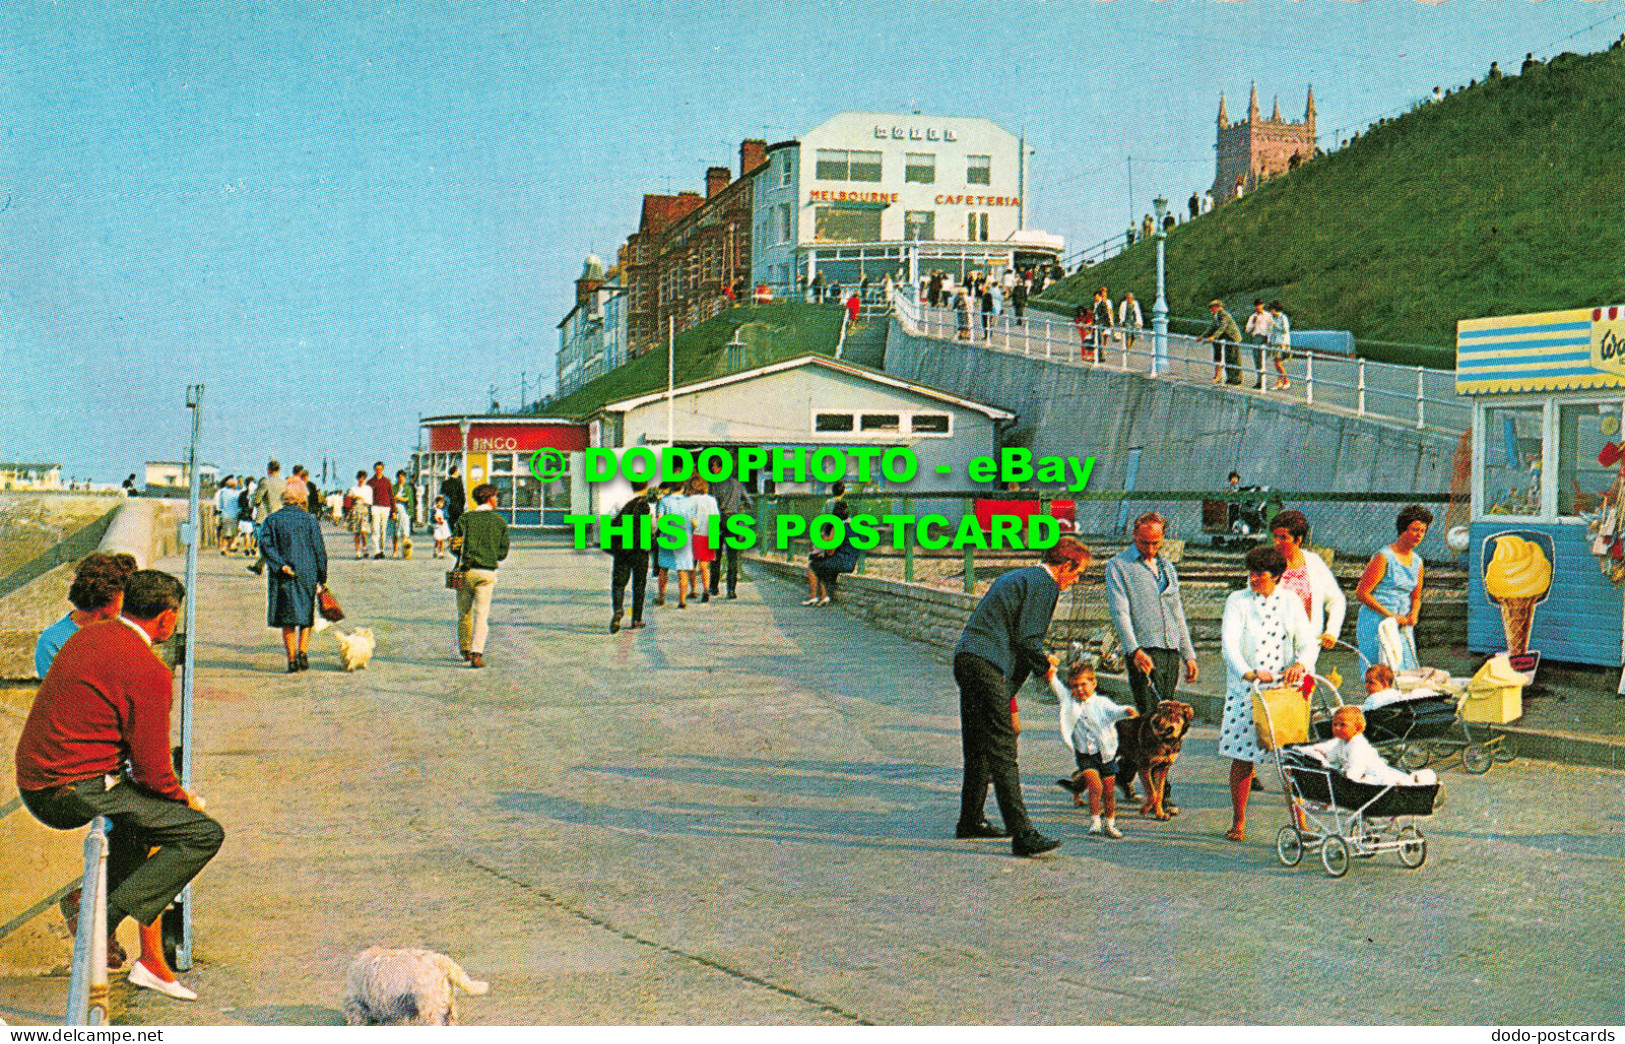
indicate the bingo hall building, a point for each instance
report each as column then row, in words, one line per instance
column 872, row 194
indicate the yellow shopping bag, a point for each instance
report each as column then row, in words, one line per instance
column 1281, row 716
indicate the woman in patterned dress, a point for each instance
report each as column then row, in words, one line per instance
column 1268, row 640
column 1309, row 577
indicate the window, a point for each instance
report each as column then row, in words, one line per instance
column 785, row 172
column 920, row 224
column 928, row 424
column 784, row 222
column 841, row 165
column 978, row 170
column 848, row 224
column 1512, row 460
column 832, row 422
column 976, row 227
column 865, row 166
column 920, row 168
column 882, row 422
column 1582, row 432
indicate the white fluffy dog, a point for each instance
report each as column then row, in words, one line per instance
column 387, row 987
column 355, row 649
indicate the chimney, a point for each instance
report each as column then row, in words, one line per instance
column 752, row 154
column 716, row 179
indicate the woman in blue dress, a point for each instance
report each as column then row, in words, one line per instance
column 1392, row 587
column 676, row 504
column 291, row 542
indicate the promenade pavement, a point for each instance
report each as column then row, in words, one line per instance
column 744, row 814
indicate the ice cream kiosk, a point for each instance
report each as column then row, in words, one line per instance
column 1546, row 544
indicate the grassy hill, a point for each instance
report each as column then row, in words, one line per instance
column 1505, row 197
column 770, row 333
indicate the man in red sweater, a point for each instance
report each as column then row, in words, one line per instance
column 383, row 506
column 96, row 743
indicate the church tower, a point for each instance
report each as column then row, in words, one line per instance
column 1253, row 150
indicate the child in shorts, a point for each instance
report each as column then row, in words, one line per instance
column 1089, row 726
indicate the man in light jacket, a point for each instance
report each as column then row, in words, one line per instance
column 1148, row 613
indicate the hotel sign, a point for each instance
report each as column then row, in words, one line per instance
column 916, row 133
column 824, row 196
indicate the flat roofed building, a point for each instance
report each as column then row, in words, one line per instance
column 872, row 194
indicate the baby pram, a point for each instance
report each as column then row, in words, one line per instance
column 1338, row 817
column 1413, row 733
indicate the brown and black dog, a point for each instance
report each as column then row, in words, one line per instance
column 1149, row 746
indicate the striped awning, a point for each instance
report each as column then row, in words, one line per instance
column 1572, row 350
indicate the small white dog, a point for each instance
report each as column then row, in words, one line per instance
column 355, row 649
column 387, row 987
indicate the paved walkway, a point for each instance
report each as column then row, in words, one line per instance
column 744, row 813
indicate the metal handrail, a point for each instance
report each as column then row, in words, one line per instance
column 1414, row 395
column 87, row 983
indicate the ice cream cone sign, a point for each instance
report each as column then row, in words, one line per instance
column 1517, row 578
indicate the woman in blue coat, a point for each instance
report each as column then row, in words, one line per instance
column 291, row 543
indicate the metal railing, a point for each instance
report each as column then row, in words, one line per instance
column 87, row 982
column 1414, row 395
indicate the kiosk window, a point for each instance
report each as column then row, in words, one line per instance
column 1582, row 432
column 847, row 225
column 1513, row 463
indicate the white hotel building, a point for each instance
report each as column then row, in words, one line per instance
column 867, row 193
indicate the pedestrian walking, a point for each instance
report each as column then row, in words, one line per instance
column 732, row 499
column 405, row 498
column 1102, row 318
column 1148, row 613
column 480, row 539
column 225, row 513
column 452, row 489
column 291, row 543
column 1259, row 324
column 702, row 507
column 987, row 308
column 267, row 498
column 1224, row 337
column 1280, row 343
column 1018, row 301
column 1130, row 319
column 678, row 559
column 383, row 506
column 442, row 528
column 358, row 512
column 1083, row 320
column 1002, row 644
column 631, row 559
column 962, row 314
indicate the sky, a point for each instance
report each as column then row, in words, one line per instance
column 341, row 217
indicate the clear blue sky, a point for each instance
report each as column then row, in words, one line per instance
column 340, row 216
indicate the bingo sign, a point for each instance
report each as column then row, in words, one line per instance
column 557, row 438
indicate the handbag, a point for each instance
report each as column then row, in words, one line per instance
column 1281, row 716
column 328, row 606
column 454, row 576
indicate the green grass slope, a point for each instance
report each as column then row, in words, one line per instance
column 1503, row 198
column 770, row 332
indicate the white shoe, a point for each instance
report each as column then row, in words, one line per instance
column 810, row 601
column 1111, row 831
column 140, row 976
column 823, row 601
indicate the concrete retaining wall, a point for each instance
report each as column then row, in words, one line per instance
column 1191, row 437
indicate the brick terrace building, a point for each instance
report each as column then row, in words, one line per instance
column 1254, row 150
column 686, row 249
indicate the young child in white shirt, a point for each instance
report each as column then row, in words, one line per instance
column 1349, row 752
column 1379, row 687
column 1089, row 726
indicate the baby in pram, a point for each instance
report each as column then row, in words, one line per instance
column 1350, row 753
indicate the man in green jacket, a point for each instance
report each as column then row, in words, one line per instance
column 1226, row 338
column 481, row 540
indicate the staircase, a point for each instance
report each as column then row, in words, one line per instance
column 866, row 339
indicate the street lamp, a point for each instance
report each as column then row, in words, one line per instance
column 1159, row 311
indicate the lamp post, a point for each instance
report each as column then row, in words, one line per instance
column 1159, row 311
